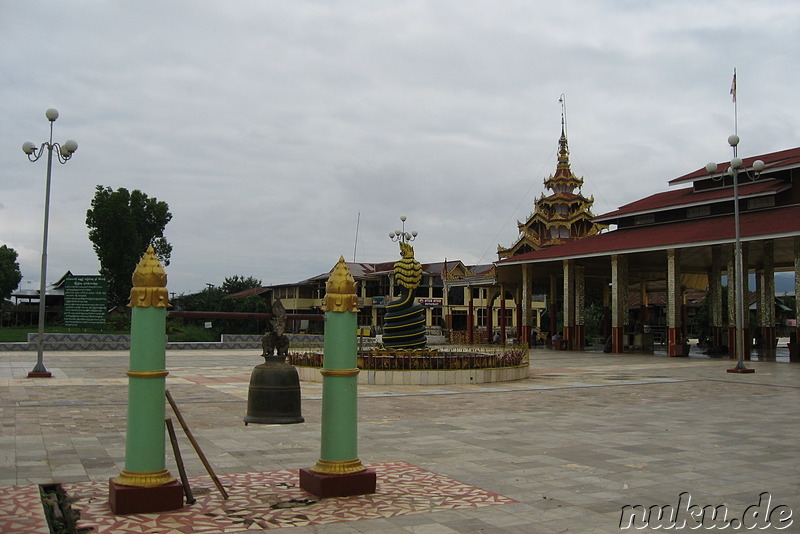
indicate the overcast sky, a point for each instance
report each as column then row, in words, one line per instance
column 268, row 126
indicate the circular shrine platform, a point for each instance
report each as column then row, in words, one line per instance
column 427, row 366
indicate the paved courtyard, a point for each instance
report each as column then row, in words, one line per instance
column 563, row 451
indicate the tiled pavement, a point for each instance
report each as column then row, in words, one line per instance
column 563, row 451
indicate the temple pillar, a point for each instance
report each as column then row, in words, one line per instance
column 489, row 319
column 675, row 342
column 526, row 315
column 520, row 322
column 684, row 315
column 502, row 318
column 715, row 298
column 765, row 285
column 794, row 347
column 643, row 303
column 569, row 304
column 470, row 318
column 606, row 311
column 619, row 301
column 553, row 306
column 580, row 305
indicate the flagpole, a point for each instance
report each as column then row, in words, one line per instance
column 735, row 105
column 740, row 270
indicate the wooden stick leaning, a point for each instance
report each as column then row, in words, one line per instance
column 195, row 445
column 187, row 490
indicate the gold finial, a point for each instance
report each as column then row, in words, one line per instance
column 149, row 283
column 340, row 291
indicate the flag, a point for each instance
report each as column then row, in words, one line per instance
column 733, row 86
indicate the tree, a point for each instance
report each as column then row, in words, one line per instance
column 121, row 227
column 206, row 300
column 10, row 275
column 237, row 283
column 215, row 298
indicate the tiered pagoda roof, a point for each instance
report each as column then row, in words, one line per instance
column 559, row 217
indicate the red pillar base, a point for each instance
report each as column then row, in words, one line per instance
column 566, row 338
column 40, row 374
column 136, row 500
column 716, row 336
column 525, row 335
column 617, row 339
column 744, row 370
column 748, row 343
column 794, row 353
column 577, row 335
column 676, row 347
column 323, row 485
column 766, row 349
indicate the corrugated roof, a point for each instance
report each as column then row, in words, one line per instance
column 773, row 222
column 687, row 196
column 774, row 161
column 366, row 270
column 248, row 292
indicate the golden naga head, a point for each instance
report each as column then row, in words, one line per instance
column 406, row 250
column 149, row 283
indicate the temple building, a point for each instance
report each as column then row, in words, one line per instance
column 672, row 243
column 559, row 217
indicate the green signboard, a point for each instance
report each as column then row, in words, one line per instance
column 85, row 301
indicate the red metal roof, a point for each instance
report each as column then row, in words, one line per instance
column 773, row 222
column 247, row 293
column 773, row 161
column 687, row 196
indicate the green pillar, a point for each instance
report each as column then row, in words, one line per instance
column 339, row 447
column 144, row 445
column 339, row 384
column 339, row 472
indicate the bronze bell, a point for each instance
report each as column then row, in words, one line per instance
column 274, row 394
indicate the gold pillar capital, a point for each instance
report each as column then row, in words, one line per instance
column 149, row 283
column 340, row 290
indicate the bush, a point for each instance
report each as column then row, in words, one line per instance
column 118, row 323
column 189, row 333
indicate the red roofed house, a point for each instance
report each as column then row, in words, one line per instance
column 450, row 292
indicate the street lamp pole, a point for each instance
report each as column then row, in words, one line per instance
column 402, row 235
column 63, row 152
column 734, row 169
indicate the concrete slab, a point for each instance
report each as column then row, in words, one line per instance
column 585, row 435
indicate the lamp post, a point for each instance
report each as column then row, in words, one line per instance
column 63, row 152
column 402, row 235
column 735, row 168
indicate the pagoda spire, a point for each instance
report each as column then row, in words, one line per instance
column 563, row 215
column 563, row 168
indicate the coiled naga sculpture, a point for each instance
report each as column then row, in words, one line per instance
column 404, row 323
